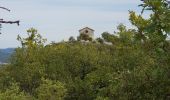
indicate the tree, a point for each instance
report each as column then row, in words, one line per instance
column 125, row 70
column 27, row 61
column 51, row 90
column 33, row 40
column 100, row 40
column 72, row 39
column 14, row 93
column 109, row 37
column 84, row 37
column 157, row 27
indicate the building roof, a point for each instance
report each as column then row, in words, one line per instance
column 86, row 28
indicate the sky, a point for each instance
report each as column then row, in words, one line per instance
column 57, row 20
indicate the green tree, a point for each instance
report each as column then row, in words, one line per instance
column 157, row 27
column 14, row 93
column 129, row 69
column 33, row 40
column 84, row 37
column 51, row 90
column 27, row 67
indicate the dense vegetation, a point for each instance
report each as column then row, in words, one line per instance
column 135, row 67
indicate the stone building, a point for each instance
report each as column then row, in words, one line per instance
column 88, row 31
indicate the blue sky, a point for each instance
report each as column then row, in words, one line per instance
column 57, row 20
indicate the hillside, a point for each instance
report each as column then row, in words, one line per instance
column 131, row 64
column 5, row 54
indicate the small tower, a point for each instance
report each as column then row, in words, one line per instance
column 88, row 31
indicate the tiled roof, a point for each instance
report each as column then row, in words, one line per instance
column 86, row 28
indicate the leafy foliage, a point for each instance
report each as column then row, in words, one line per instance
column 50, row 90
column 84, row 37
column 132, row 64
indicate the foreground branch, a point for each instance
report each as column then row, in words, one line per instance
column 10, row 22
column 7, row 22
column 5, row 8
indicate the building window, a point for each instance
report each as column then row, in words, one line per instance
column 86, row 31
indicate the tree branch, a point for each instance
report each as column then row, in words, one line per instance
column 7, row 22
column 10, row 22
column 5, row 8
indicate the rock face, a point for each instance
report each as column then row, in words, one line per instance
column 88, row 31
